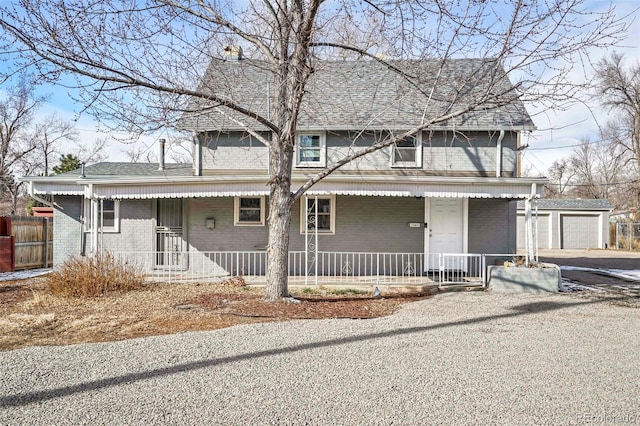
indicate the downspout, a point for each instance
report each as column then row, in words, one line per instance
column 499, row 154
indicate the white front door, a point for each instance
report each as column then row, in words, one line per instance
column 446, row 228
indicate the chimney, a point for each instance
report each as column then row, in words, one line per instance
column 161, row 155
column 233, row 53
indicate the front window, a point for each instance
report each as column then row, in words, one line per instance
column 407, row 152
column 249, row 211
column 310, row 150
column 108, row 215
column 318, row 214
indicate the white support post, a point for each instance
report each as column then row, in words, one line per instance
column 528, row 228
column 94, row 225
column 315, row 255
column 306, row 240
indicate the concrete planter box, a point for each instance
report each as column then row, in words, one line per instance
column 513, row 279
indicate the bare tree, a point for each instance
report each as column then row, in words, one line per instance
column 560, row 177
column 595, row 170
column 92, row 153
column 142, row 65
column 47, row 135
column 618, row 89
column 17, row 110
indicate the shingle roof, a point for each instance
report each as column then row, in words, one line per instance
column 367, row 94
column 577, row 204
column 130, row 169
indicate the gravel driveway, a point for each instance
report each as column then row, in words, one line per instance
column 458, row 358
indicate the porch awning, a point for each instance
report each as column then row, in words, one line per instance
column 449, row 187
column 441, row 190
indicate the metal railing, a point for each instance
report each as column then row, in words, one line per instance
column 322, row 268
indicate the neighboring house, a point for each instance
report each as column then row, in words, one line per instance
column 449, row 190
column 567, row 224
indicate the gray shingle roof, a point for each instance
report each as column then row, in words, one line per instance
column 130, row 169
column 367, row 94
column 577, row 204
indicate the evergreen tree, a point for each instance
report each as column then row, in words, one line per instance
column 68, row 163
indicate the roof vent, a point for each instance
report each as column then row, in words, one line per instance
column 161, row 155
column 233, row 53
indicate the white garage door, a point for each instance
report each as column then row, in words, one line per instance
column 543, row 230
column 579, row 231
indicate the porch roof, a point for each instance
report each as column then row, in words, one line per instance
column 256, row 185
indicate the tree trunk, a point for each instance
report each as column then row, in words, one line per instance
column 278, row 248
column 281, row 155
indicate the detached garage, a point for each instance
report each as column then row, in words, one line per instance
column 567, row 224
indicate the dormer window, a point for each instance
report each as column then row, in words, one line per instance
column 311, row 150
column 407, row 152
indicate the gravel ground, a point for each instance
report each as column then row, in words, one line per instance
column 458, row 358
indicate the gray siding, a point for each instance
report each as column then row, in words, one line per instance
column 365, row 224
column 67, row 230
column 225, row 236
column 233, row 151
column 443, row 153
column 370, row 224
column 492, row 226
column 136, row 228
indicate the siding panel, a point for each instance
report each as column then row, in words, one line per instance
column 492, row 226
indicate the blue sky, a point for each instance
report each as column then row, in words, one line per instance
column 557, row 131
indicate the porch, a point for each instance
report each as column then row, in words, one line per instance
column 318, row 268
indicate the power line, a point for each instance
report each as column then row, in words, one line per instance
column 567, row 146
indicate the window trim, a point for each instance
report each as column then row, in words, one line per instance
column 323, row 150
column 107, row 229
column 332, row 214
column 407, row 164
column 236, row 211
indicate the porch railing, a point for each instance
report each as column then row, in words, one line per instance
column 327, row 267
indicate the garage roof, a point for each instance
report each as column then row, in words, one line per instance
column 576, row 204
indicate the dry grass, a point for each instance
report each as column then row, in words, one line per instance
column 94, row 276
column 31, row 315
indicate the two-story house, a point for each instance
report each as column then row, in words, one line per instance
column 394, row 212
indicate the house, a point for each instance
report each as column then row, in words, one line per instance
column 567, row 223
column 393, row 212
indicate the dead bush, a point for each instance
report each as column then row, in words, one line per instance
column 94, row 276
column 234, row 282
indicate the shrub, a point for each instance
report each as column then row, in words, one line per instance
column 94, row 276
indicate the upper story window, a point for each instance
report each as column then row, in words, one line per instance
column 320, row 216
column 249, row 211
column 311, row 150
column 108, row 216
column 407, row 152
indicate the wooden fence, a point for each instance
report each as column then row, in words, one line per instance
column 26, row 242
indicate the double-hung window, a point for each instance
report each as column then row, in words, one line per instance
column 249, row 211
column 407, row 152
column 108, row 215
column 311, row 150
column 320, row 216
